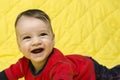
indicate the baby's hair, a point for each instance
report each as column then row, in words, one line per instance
column 36, row 13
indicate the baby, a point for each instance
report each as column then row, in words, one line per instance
column 41, row 61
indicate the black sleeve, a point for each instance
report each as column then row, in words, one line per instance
column 103, row 73
column 3, row 76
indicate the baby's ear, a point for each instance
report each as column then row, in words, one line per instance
column 19, row 47
column 53, row 36
column 53, row 39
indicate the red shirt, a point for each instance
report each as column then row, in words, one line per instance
column 58, row 67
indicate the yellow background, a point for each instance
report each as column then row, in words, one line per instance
column 86, row 27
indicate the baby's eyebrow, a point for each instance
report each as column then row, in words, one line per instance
column 44, row 31
column 23, row 35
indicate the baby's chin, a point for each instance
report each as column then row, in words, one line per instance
column 39, row 60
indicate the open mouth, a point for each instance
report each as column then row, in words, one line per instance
column 35, row 51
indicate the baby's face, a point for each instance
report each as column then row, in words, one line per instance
column 35, row 38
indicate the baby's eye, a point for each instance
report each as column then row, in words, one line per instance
column 27, row 37
column 43, row 34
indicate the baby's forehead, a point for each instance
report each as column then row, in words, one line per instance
column 27, row 20
column 32, row 19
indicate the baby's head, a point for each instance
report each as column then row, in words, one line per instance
column 34, row 34
column 35, row 13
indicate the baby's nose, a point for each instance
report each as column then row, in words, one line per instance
column 36, row 41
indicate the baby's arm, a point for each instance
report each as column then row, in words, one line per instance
column 13, row 72
column 103, row 73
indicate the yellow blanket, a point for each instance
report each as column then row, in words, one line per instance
column 86, row 27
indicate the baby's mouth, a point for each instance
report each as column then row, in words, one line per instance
column 35, row 51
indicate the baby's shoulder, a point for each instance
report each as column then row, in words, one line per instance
column 79, row 60
column 76, row 57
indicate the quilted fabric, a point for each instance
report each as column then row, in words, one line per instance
column 86, row 27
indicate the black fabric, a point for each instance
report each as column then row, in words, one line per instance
column 3, row 76
column 103, row 73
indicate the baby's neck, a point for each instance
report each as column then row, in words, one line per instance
column 38, row 66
